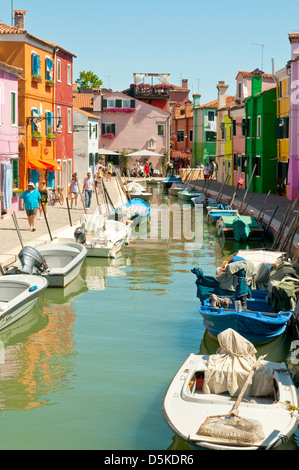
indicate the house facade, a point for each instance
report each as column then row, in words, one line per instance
column 293, row 167
column 204, row 131
column 37, row 96
column 181, row 138
column 261, row 142
column 9, row 145
column 282, row 128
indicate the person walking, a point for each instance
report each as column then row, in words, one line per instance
column 206, row 172
column 30, row 199
column 44, row 192
column 109, row 172
column 74, row 190
column 146, row 170
column 88, row 188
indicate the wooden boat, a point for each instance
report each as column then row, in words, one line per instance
column 167, row 182
column 18, row 294
column 59, row 263
column 256, row 256
column 204, row 406
column 258, row 322
column 102, row 237
column 242, row 227
column 187, row 195
column 222, row 209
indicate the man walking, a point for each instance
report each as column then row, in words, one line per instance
column 30, row 198
column 88, row 188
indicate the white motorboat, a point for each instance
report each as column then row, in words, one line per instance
column 18, row 295
column 230, row 400
column 176, row 187
column 59, row 263
column 102, row 237
column 136, row 190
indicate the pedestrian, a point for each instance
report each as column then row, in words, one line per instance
column 206, row 173
column 141, row 169
column 74, row 190
column 88, row 188
column 151, row 170
column 109, row 172
column 146, row 170
column 30, row 199
column 44, row 192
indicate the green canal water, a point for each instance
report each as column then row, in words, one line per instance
column 87, row 368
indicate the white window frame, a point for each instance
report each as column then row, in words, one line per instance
column 163, row 125
column 69, row 74
column 58, row 115
column 13, row 92
column 69, row 121
column 125, row 101
column 58, row 72
column 110, row 103
column 258, row 130
column 151, row 144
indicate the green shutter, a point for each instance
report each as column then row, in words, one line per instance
column 132, row 103
column 104, row 104
column 15, row 172
column 113, row 128
column 13, row 108
column 103, row 128
column 118, row 103
column 91, row 159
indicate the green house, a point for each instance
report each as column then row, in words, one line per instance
column 261, row 140
column 204, row 131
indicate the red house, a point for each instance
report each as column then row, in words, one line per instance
column 63, row 109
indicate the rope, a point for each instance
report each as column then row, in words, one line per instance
column 291, row 407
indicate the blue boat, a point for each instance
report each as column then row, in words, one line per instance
column 170, row 180
column 222, row 209
column 258, row 323
column 136, row 210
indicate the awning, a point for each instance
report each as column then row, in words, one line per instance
column 51, row 165
column 36, row 165
column 179, row 154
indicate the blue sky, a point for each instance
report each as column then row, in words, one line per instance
column 203, row 41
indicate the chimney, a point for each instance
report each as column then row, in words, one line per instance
column 221, row 87
column 196, row 100
column 184, row 83
column 20, row 18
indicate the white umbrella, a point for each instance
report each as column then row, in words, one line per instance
column 144, row 153
column 107, row 152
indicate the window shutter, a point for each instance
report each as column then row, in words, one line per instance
column 113, row 128
column 243, row 127
column 38, row 65
column 91, row 159
column 234, row 127
column 104, row 104
column 103, row 128
column 279, row 129
column 33, row 63
column 15, row 172
column 90, row 130
column 118, row 103
column 132, row 103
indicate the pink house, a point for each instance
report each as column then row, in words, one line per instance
column 9, row 145
column 293, row 170
column 128, row 125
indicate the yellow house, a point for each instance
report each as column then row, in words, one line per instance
column 282, row 127
column 36, row 97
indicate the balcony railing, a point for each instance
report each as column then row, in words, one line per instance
column 152, row 92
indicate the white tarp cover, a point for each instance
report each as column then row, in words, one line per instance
column 227, row 370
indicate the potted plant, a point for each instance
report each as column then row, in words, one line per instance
column 36, row 78
column 50, row 82
column 50, row 134
column 36, row 135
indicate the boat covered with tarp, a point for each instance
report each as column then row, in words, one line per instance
column 136, row 211
column 232, row 400
column 239, row 228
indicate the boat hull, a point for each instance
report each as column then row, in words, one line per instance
column 15, row 305
column 188, row 195
column 185, row 410
column 214, row 215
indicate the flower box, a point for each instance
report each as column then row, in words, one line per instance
column 36, row 78
column 108, row 135
column 50, row 83
column 51, row 137
column 120, row 110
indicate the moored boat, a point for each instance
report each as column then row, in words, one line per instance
column 204, row 406
column 223, row 209
column 176, row 187
column 136, row 190
column 18, row 294
column 187, row 195
column 136, row 211
column 59, row 263
column 167, row 182
column 240, row 228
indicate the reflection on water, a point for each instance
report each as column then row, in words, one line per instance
column 88, row 367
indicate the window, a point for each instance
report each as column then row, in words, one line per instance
column 58, row 70
column 36, row 126
column 180, row 136
column 126, row 103
column 210, row 136
column 110, row 103
column 161, row 130
column 258, row 131
column 151, row 144
column 211, row 115
column 69, row 121
column 234, row 128
column 108, row 128
column 248, row 130
column 280, row 89
column 49, row 123
column 191, row 135
column 257, row 161
column 13, row 107
column 49, row 69
column 15, row 172
column 239, row 90
column 69, row 74
column 58, row 120
column 35, row 65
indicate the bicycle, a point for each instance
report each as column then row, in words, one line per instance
column 56, row 196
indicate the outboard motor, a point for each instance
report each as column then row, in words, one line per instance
column 32, row 261
column 80, row 235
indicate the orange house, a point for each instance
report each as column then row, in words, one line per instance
column 37, row 124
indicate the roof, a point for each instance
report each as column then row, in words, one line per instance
column 83, row 101
column 90, row 115
column 10, row 67
column 6, row 29
column 250, row 74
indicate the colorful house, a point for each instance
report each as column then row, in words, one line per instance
column 204, row 131
column 261, row 142
column 37, row 97
column 293, row 167
column 282, row 128
column 181, row 138
column 9, row 146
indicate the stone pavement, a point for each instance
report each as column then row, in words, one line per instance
column 58, row 217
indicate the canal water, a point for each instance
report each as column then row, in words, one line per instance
column 88, row 367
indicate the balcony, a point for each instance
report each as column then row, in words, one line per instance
column 160, row 91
